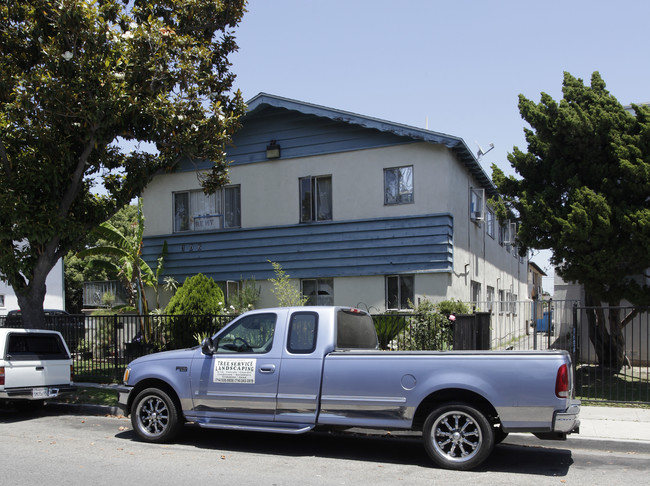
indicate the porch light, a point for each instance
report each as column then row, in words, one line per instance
column 273, row 150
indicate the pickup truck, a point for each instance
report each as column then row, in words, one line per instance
column 35, row 365
column 290, row 370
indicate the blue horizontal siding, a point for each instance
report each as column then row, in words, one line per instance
column 415, row 244
column 299, row 135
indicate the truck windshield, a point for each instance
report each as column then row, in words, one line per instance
column 355, row 330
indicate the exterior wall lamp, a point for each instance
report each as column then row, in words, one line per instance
column 273, row 150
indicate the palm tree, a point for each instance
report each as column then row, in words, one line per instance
column 125, row 261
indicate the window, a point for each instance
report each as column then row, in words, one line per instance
column 197, row 211
column 502, row 301
column 490, row 222
column 490, row 298
column 35, row 346
column 302, row 333
column 2, row 300
column 398, row 185
column 319, row 291
column 399, row 291
column 232, row 291
column 477, row 206
column 476, row 292
column 250, row 334
column 315, row 199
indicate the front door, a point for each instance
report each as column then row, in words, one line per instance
column 240, row 380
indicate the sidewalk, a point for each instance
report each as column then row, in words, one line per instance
column 603, row 428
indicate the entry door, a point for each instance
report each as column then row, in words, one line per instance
column 240, row 380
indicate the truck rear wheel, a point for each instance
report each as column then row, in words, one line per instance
column 154, row 416
column 458, row 436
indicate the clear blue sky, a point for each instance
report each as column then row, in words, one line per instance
column 460, row 65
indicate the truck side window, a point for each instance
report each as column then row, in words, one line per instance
column 303, row 329
column 250, row 334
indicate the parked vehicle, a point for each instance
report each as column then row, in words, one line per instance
column 71, row 326
column 290, row 370
column 34, row 365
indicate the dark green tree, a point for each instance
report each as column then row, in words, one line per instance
column 194, row 304
column 583, row 191
column 110, row 91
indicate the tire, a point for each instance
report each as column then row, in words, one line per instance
column 457, row 436
column 154, row 416
column 499, row 435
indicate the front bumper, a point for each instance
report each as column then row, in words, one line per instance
column 567, row 422
column 123, row 393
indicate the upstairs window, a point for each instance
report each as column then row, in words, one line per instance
column 197, row 211
column 477, row 204
column 490, row 222
column 315, row 199
column 398, row 185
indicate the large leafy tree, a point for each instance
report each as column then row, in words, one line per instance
column 79, row 82
column 583, row 192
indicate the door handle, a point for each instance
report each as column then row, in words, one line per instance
column 270, row 368
column 40, row 368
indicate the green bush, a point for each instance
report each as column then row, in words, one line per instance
column 429, row 328
column 195, row 302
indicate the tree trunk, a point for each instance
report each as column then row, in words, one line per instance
column 30, row 301
column 606, row 333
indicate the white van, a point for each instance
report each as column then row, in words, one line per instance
column 34, row 365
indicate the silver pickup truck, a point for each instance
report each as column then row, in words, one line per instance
column 290, row 370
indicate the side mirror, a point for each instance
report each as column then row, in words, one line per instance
column 207, row 346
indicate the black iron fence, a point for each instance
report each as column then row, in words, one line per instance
column 102, row 346
column 610, row 347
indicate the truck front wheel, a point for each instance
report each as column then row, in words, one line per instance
column 458, row 436
column 154, row 416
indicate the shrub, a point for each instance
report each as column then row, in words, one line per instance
column 429, row 328
column 195, row 303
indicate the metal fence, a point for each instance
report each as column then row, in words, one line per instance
column 611, row 366
column 104, row 345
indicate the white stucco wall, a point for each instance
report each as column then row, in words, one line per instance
column 270, row 197
column 54, row 298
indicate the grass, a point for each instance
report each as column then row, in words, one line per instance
column 90, row 396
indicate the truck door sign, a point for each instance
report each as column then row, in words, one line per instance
column 234, row 370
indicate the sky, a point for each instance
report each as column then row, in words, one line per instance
column 455, row 67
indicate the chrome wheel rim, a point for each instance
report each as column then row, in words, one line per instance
column 456, row 436
column 153, row 416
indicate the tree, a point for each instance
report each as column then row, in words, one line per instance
column 124, row 254
column 87, row 90
column 287, row 294
column 194, row 304
column 79, row 270
column 583, row 193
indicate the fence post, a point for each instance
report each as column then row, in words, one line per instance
column 115, row 346
column 574, row 336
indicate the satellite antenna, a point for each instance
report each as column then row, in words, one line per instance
column 482, row 152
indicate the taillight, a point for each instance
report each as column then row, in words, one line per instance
column 562, row 382
column 2, row 375
column 71, row 372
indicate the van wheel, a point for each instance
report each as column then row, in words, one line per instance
column 458, row 436
column 154, row 416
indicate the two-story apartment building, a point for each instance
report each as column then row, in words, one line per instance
column 359, row 211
